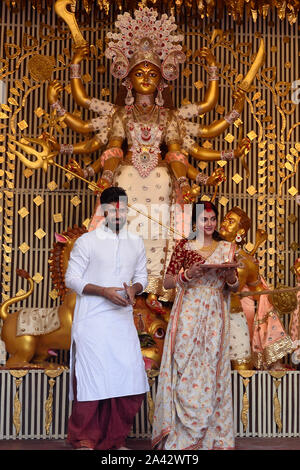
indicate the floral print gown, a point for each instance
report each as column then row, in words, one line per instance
column 193, row 407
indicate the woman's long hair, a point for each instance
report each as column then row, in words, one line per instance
column 199, row 208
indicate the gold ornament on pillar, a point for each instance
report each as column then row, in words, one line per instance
column 52, row 374
column 246, row 375
column 277, row 376
column 18, row 375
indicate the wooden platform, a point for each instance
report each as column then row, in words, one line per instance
column 36, row 405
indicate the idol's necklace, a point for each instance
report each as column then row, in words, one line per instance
column 144, row 100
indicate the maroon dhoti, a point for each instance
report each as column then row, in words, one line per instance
column 102, row 424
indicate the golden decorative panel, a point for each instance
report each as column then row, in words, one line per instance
column 204, row 8
column 36, row 204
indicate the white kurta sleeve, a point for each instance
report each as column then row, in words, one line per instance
column 78, row 262
column 140, row 273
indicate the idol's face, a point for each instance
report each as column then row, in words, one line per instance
column 115, row 215
column 206, row 223
column 230, row 226
column 145, row 78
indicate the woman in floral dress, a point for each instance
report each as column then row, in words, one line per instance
column 193, row 408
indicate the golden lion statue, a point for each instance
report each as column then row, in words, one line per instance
column 33, row 350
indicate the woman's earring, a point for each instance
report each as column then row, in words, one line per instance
column 129, row 99
column 238, row 239
column 159, row 98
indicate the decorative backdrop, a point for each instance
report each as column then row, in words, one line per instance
column 238, row 9
column 35, row 205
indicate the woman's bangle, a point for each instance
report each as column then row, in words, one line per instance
column 181, row 280
column 234, row 284
column 189, row 279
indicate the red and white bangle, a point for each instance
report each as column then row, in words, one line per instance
column 201, row 179
column 182, row 279
column 66, row 148
column 189, row 279
column 59, row 109
column 232, row 116
column 75, row 71
column 227, row 155
column 212, row 73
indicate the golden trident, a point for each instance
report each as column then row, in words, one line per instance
column 46, row 158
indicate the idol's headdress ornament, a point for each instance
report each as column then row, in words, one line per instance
column 145, row 38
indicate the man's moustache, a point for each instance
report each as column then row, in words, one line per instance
column 117, row 222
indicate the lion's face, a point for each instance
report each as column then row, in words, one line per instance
column 152, row 329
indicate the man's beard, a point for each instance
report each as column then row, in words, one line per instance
column 116, row 225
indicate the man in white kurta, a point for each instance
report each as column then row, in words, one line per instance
column 107, row 268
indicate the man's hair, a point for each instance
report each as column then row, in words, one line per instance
column 112, row 194
column 245, row 221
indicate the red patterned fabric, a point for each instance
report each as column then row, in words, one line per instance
column 183, row 257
